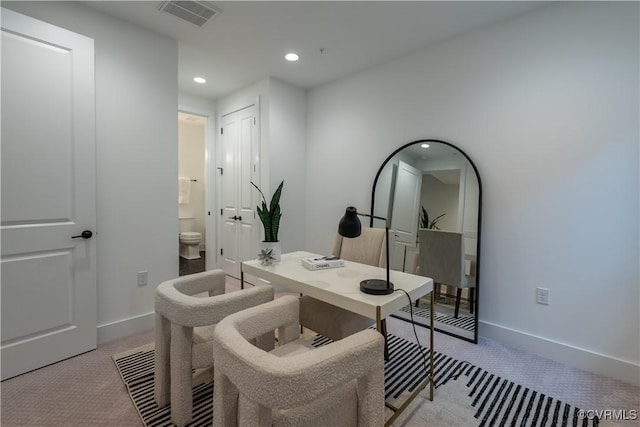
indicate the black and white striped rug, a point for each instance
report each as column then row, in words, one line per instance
column 478, row 397
column 422, row 316
column 408, row 366
column 497, row 401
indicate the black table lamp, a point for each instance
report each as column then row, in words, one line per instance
column 351, row 227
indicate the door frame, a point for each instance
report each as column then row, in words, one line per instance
column 211, row 201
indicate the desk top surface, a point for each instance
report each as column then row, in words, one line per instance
column 341, row 286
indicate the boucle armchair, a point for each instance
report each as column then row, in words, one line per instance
column 184, row 333
column 334, row 322
column 341, row 383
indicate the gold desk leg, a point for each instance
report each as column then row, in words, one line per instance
column 431, row 348
column 398, row 410
column 408, row 400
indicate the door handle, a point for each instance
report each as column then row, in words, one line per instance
column 86, row 234
column 236, row 218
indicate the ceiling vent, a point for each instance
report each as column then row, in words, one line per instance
column 196, row 12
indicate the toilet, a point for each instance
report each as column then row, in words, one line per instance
column 190, row 244
column 189, row 240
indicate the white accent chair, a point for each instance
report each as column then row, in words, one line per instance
column 184, row 333
column 341, row 383
column 334, row 322
column 442, row 258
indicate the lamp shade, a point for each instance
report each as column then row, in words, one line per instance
column 350, row 224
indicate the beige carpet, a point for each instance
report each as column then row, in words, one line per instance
column 85, row 390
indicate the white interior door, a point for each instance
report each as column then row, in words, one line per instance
column 48, row 194
column 240, row 233
column 405, row 212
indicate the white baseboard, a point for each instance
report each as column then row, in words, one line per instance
column 588, row 360
column 126, row 327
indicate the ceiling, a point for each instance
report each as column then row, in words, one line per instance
column 247, row 41
column 191, row 119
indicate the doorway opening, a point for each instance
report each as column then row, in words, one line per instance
column 192, row 203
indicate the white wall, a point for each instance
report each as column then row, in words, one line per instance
column 191, row 156
column 439, row 198
column 136, row 155
column 192, row 103
column 546, row 105
column 287, row 154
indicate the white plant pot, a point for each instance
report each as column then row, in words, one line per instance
column 276, row 252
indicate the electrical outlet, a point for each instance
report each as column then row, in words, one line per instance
column 542, row 296
column 142, row 278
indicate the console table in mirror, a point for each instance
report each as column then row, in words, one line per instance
column 431, row 193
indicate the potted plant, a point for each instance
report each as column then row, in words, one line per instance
column 270, row 216
column 425, row 223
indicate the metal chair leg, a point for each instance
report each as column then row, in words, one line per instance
column 383, row 326
column 458, row 296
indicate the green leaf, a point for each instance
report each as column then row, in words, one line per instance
column 264, row 200
column 267, row 232
column 275, row 200
column 275, row 224
column 435, row 220
column 425, row 218
column 270, row 216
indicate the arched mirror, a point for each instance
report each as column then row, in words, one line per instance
column 430, row 191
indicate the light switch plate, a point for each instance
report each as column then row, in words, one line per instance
column 142, row 278
column 542, row 296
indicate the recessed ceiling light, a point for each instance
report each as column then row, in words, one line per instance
column 199, row 80
column 291, row 57
column 425, row 146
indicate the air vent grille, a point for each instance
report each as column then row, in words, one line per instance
column 195, row 12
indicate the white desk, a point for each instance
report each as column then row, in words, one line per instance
column 341, row 287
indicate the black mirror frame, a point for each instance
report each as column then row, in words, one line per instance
column 478, row 249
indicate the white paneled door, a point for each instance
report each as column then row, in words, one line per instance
column 405, row 212
column 240, row 157
column 48, row 194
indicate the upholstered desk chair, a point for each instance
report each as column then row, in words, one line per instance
column 339, row 384
column 442, row 258
column 334, row 322
column 184, row 332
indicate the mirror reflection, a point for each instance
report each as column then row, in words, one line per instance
column 430, row 192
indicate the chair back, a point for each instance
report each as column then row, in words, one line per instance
column 341, row 383
column 441, row 257
column 368, row 248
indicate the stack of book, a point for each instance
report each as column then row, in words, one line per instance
column 322, row 262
